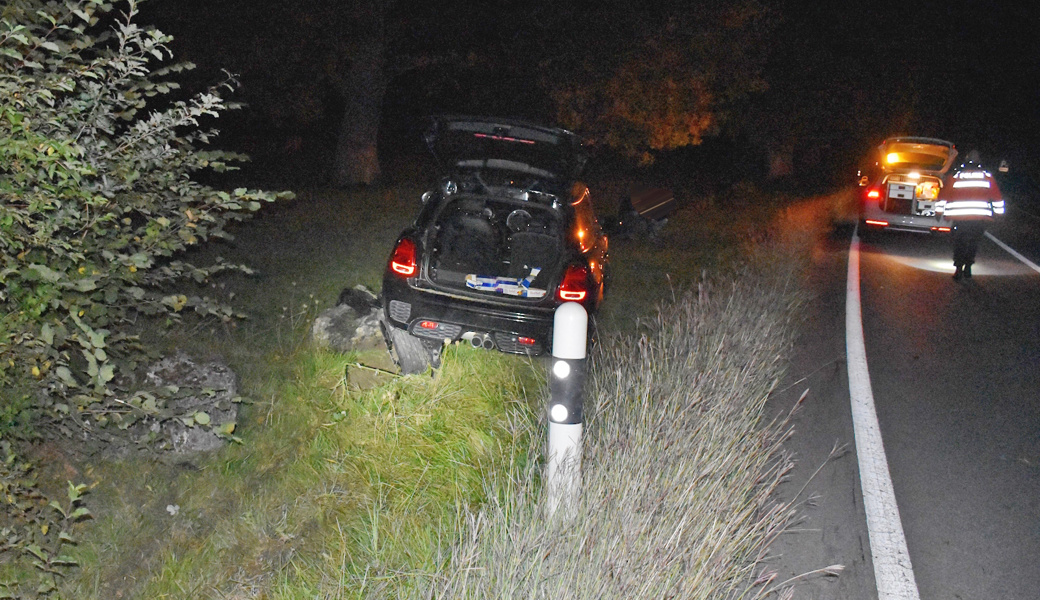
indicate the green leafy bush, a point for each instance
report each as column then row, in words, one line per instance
column 35, row 531
column 99, row 199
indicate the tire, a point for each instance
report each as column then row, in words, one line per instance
column 410, row 353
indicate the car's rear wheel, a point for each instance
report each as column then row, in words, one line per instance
column 411, row 354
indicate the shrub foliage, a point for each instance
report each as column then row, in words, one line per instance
column 100, row 157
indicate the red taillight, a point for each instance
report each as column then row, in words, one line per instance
column 575, row 284
column 878, row 223
column 428, row 324
column 874, row 194
column 525, row 341
column 403, row 260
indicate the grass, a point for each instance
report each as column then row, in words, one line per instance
column 679, row 470
column 430, row 484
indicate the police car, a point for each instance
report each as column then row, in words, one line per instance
column 901, row 185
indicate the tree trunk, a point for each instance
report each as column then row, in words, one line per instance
column 362, row 86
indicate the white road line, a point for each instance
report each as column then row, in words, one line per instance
column 893, row 573
column 1012, row 252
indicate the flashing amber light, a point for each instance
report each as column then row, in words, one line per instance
column 403, row 261
column 873, row 194
column 575, row 284
column 428, row 324
column 525, row 341
column 893, row 157
column 880, row 223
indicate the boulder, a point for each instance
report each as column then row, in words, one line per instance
column 353, row 324
column 209, row 387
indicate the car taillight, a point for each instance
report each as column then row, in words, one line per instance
column 403, row 261
column 575, row 284
column 874, row 194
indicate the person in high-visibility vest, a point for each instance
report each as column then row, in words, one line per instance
column 970, row 198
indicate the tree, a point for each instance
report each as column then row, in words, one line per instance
column 99, row 200
column 639, row 80
column 360, row 82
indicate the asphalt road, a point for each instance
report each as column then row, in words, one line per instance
column 955, row 373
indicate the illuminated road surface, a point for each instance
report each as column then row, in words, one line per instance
column 955, row 374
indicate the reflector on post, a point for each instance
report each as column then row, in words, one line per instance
column 566, row 387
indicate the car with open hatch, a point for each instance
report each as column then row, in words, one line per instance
column 901, row 185
column 505, row 236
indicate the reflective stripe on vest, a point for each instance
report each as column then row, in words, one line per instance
column 968, row 208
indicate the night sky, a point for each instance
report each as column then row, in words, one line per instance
column 842, row 76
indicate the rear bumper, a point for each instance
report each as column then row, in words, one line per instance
column 439, row 317
column 878, row 219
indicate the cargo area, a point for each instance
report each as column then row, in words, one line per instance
column 496, row 246
column 906, row 195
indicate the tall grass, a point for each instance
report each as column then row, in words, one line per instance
column 426, row 486
column 678, row 470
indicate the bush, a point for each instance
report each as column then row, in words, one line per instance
column 99, row 199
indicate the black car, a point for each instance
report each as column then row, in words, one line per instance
column 506, row 236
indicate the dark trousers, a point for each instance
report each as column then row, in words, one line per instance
column 966, row 236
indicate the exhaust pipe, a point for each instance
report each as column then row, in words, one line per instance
column 481, row 340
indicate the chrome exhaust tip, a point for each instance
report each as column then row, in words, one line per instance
column 480, row 340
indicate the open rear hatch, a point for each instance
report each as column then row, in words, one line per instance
column 909, row 154
column 465, row 143
column 914, row 168
column 485, row 245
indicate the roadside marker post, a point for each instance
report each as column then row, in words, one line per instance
column 566, row 391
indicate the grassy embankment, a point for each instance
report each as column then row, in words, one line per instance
column 419, row 484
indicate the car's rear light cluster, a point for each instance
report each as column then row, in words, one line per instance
column 877, row 223
column 435, row 330
column 575, row 284
column 517, row 344
column 404, row 260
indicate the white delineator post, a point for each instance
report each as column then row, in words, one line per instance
column 567, row 390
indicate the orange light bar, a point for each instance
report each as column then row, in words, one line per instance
column 873, row 222
column 941, row 229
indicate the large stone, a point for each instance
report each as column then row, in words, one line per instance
column 351, row 325
column 209, row 388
